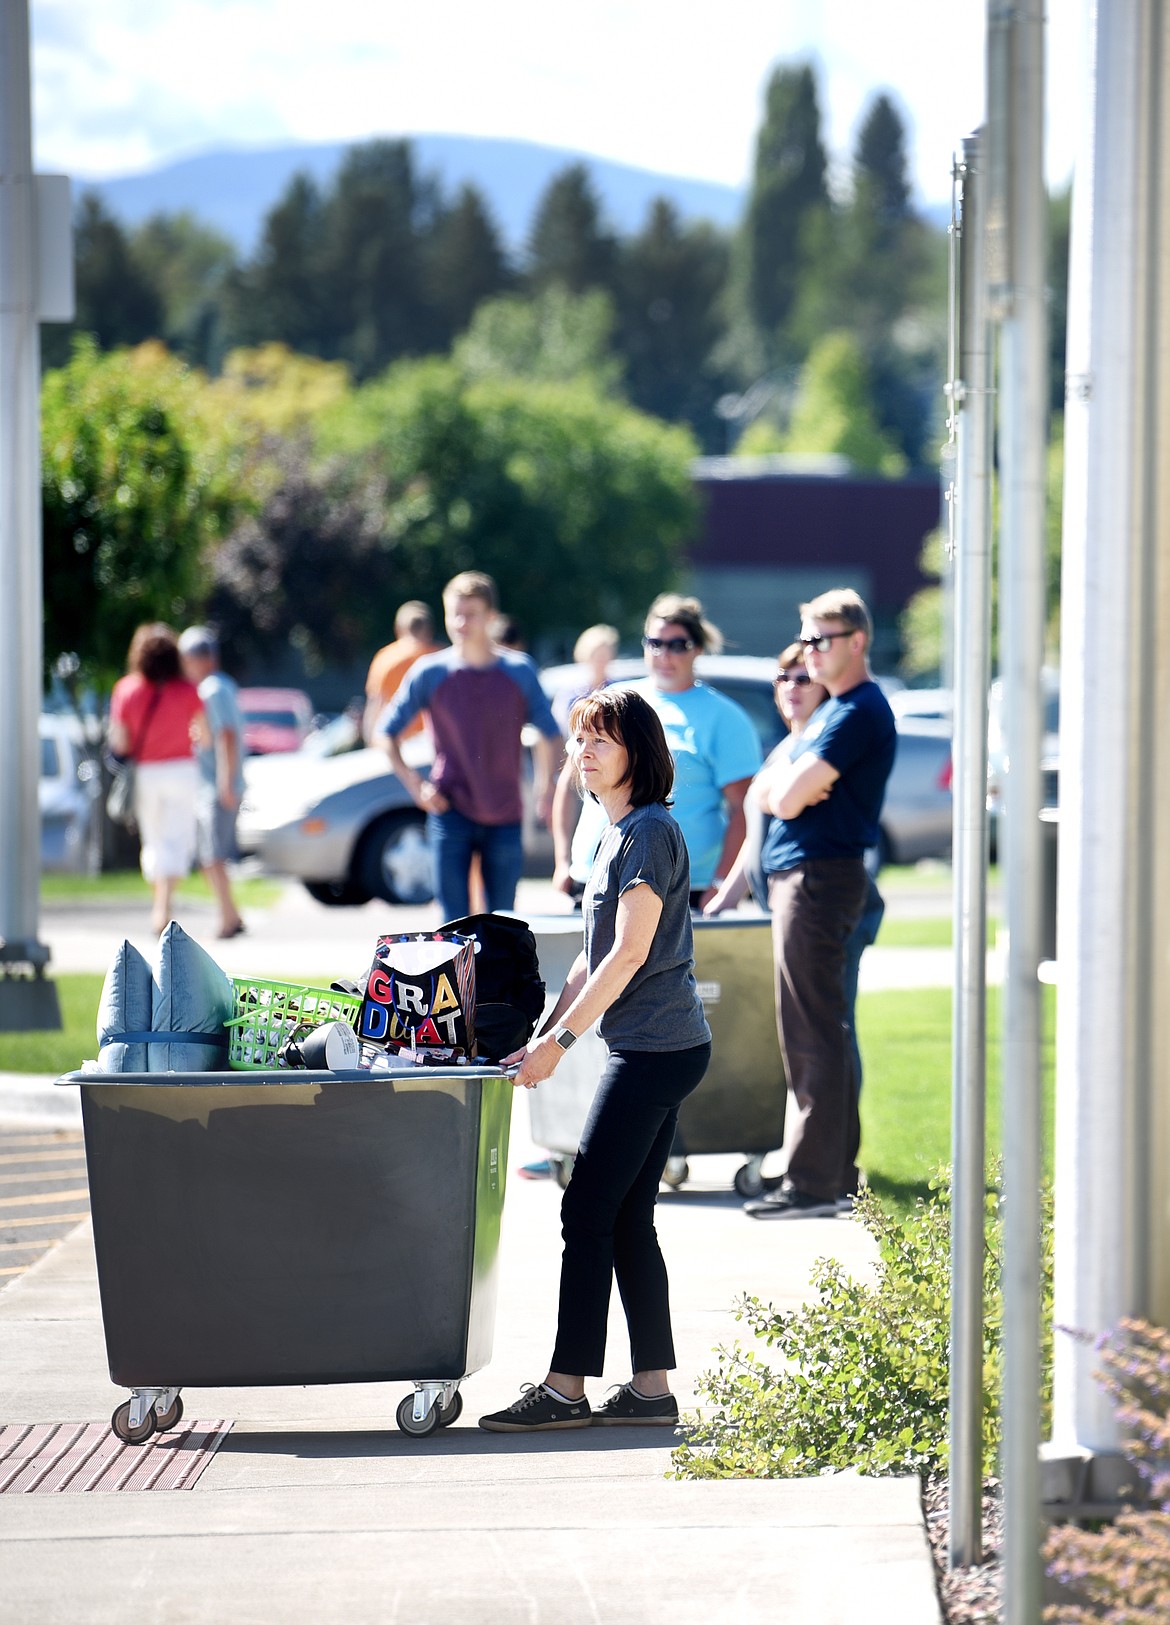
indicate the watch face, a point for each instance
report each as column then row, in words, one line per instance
column 565, row 1038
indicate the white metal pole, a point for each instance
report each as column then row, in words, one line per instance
column 20, row 519
column 972, row 644
column 1111, row 880
column 1016, row 120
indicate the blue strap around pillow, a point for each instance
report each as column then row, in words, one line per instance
column 160, row 1038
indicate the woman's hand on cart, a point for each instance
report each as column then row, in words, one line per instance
column 529, row 1066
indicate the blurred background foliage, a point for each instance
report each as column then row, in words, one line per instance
column 383, row 393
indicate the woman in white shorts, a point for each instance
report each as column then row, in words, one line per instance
column 156, row 718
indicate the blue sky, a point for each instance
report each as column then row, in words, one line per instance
column 121, row 85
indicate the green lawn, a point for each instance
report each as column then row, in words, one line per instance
column 62, row 1051
column 924, row 932
column 128, row 886
column 906, row 1101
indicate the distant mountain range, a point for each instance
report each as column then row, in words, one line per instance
column 233, row 189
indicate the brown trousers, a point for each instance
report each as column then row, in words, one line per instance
column 814, row 909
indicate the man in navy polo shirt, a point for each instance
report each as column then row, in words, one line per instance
column 825, row 802
column 478, row 697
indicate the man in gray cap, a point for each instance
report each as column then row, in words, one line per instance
column 221, row 766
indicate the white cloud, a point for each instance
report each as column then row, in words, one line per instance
column 120, row 85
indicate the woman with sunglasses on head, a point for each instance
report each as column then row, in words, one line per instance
column 714, row 744
column 636, row 976
column 797, row 697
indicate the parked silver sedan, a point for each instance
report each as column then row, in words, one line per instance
column 344, row 825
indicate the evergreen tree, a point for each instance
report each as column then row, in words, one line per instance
column 671, row 279
column 380, row 219
column 280, row 295
column 568, row 243
column 876, row 270
column 789, row 188
column 880, row 163
column 467, row 260
column 189, row 266
column 116, row 300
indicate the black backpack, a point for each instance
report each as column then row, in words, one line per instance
column 509, row 989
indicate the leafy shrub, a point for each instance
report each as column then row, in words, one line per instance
column 1122, row 1573
column 864, row 1382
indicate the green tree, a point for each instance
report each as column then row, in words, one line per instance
column 671, row 280
column 877, row 270
column 833, row 411
column 789, row 192
column 467, row 260
column 536, row 483
column 117, row 302
column 136, row 487
column 189, row 266
column 380, row 218
column 555, row 336
column 280, row 294
column 568, row 243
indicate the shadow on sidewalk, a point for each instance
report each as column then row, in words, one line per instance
column 461, row 1439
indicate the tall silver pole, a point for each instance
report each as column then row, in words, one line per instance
column 20, row 520
column 972, row 399
column 1016, row 124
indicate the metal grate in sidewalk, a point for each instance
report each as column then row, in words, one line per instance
column 69, row 1458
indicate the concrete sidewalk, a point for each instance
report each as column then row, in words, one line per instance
column 318, row 1509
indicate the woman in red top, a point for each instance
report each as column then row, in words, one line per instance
column 156, row 718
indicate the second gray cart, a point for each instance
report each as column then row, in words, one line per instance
column 739, row 1106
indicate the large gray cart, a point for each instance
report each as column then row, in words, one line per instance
column 295, row 1227
column 739, row 1106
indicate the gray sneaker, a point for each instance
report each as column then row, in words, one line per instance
column 538, row 1411
column 627, row 1408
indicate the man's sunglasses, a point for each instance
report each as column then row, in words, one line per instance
column 673, row 646
column 823, row 642
column 800, row 678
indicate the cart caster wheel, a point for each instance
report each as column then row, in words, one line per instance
column 563, row 1171
column 748, row 1182
column 406, row 1421
column 452, row 1412
column 676, row 1172
column 166, row 1420
column 120, row 1422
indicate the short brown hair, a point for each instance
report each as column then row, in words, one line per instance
column 844, row 605
column 622, row 714
column 688, row 612
column 472, row 584
column 154, row 652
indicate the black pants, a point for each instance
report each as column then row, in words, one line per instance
column 814, row 910
column 607, row 1214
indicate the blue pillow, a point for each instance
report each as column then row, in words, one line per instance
column 191, row 995
column 126, row 1006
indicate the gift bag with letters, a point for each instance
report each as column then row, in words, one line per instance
column 420, row 994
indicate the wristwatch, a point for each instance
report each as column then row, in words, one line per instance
column 563, row 1037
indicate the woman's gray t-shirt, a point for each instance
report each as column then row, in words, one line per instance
column 660, row 1008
